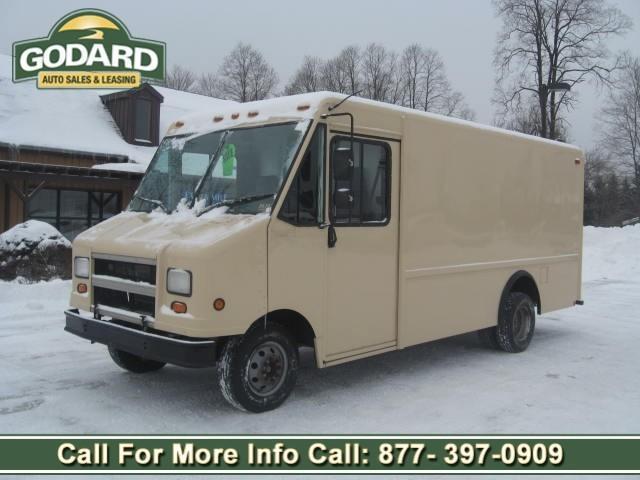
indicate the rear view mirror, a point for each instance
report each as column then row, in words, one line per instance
column 343, row 198
column 342, row 162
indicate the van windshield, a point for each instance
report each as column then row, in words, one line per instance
column 241, row 168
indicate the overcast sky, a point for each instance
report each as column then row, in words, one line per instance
column 199, row 34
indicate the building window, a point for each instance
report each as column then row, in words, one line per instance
column 360, row 193
column 72, row 211
column 142, row 131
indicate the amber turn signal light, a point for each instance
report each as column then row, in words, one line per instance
column 218, row 304
column 82, row 288
column 179, row 307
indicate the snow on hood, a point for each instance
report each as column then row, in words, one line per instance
column 31, row 234
column 147, row 234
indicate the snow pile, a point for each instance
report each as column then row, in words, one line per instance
column 34, row 250
column 611, row 253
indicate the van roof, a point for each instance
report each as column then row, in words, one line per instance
column 306, row 105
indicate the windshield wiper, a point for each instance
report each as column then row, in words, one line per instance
column 157, row 203
column 213, row 160
column 236, row 201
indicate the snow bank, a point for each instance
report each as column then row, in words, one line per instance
column 35, row 251
column 611, row 253
column 32, row 233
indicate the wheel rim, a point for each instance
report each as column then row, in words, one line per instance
column 267, row 368
column 522, row 324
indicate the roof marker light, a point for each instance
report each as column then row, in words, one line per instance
column 179, row 124
column 252, row 114
column 303, row 107
column 218, row 118
column 234, row 116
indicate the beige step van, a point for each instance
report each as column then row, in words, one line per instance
column 346, row 225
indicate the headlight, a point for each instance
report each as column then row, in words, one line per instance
column 179, row 282
column 81, row 267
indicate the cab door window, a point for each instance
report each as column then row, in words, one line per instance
column 360, row 183
column 303, row 205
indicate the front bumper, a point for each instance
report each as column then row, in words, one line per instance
column 153, row 346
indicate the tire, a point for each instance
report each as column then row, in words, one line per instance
column 516, row 323
column 257, row 371
column 489, row 337
column 134, row 363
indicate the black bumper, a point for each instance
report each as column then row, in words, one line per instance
column 178, row 351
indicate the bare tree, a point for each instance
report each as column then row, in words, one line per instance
column 547, row 42
column 246, row 76
column 426, row 86
column 180, row 78
column 308, row 78
column 342, row 73
column 621, row 117
column 208, row 84
column 434, row 85
column 456, row 106
column 377, row 71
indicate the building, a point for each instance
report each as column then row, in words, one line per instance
column 73, row 158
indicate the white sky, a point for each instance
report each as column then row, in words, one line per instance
column 199, row 34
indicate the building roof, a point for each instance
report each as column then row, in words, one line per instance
column 77, row 120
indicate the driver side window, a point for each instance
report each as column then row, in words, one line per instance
column 303, row 205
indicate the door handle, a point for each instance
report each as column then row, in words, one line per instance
column 332, row 238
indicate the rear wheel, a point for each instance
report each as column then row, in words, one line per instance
column 516, row 324
column 134, row 363
column 257, row 371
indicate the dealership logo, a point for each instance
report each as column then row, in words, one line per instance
column 88, row 49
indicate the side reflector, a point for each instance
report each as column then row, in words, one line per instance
column 179, row 307
column 82, row 288
column 218, row 304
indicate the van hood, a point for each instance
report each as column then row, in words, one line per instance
column 147, row 235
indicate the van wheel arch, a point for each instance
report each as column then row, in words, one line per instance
column 523, row 282
column 294, row 322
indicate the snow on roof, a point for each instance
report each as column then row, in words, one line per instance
column 287, row 108
column 122, row 167
column 77, row 120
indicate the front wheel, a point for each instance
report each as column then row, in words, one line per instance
column 257, row 371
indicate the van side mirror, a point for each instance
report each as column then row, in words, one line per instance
column 343, row 198
column 342, row 163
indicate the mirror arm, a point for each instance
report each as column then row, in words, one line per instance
column 343, row 114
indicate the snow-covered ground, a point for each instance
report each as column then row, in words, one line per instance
column 580, row 374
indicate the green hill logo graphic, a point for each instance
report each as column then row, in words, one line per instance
column 88, row 49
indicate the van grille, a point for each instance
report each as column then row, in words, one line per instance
column 136, row 272
column 133, row 302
